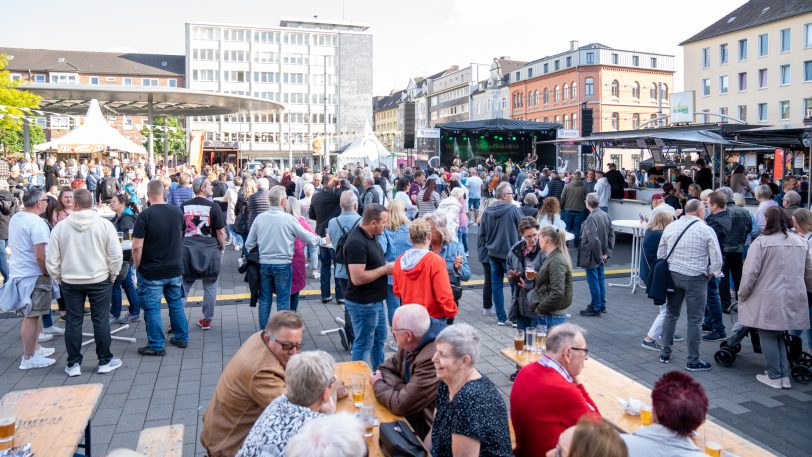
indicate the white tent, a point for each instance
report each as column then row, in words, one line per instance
column 365, row 149
column 95, row 135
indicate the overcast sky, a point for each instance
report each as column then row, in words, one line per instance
column 411, row 38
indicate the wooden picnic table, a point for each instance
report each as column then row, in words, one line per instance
column 344, row 372
column 606, row 385
column 54, row 419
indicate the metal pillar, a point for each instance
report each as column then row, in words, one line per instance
column 166, row 143
column 324, row 145
column 290, row 144
column 150, row 138
column 26, row 139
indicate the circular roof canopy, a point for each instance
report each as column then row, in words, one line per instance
column 74, row 99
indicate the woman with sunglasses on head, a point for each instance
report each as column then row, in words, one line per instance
column 126, row 212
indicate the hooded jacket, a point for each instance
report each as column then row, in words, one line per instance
column 421, row 277
column 498, row 230
column 408, row 385
column 450, row 207
column 658, row 441
column 573, row 196
column 83, row 249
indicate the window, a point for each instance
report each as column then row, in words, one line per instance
column 574, row 120
column 127, row 124
column 557, row 65
column 518, row 75
column 762, row 112
column 615, row 58
column 94, row 80
column 706, row 88
column 808, row 35
column 615, row 88
column 235, row 56
column 635, row 89
column 784, row 74
column 60, row 122
column 205, row 54
column 723, row 112
column 568, row 61
column 574, row 91
column 546, row 95
column 706, row 57
column 741, row 113
column 590, row 57
column 556, row 94
column 653, row 62
column 723, row 84
column 723, row 54
column 565, row 92
column 763, row 45
column 808, row 106
column 266, row 57
column 635, row 121
column 546, row 68
column 784, row 40
column 567, row 121
column 126, row 81
column 146, row 82
column 615, row 121
column 39, row 78
column 636, row 61
column 652, row 91
column 742, row 81
column 236, row 35
column 63, row 78
column 664, row 90
column 742, row 49
column 807, row 70
column 589, row 87
column 762, row 78
column 205, row 33
column 266, row 37
column 783, row 109
column 172, row 82
column 529, row 73
column 205, row 75
column 617, row 159
column 706, row 116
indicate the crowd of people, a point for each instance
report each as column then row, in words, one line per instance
column 393, row 246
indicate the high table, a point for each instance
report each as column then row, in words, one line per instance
column 606, row 385
column 636, row 228
column 54, row 419
column 344, row 372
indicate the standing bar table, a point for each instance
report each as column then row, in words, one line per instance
column 636, row 228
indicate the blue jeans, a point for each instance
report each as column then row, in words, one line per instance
column 149, row 296
column 369, row 325
column 498, row 271
column 294, row 301
column 463, row 236
column 573, row 221
column 524, row 322
column 597, row 287
column 3, row 261
column 273, row 278
column 713, row 308
column 128, row 284
column 473, row 203
column 236, row 238
column 327, row 256
column 392, row 303
column 806, row 334
column 551, row 320
column 605, row 209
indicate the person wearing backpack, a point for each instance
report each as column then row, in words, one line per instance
column 107, row 188
column 369, row 195
column 338, row 229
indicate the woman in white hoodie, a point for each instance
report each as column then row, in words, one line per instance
column 450, row 208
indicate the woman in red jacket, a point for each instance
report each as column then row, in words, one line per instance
column 420, row 276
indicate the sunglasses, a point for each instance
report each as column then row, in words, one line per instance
column 287, row 347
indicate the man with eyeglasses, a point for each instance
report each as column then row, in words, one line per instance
column 253, row 378
column 548, row 397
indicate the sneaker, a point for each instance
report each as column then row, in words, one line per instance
column 54, row 330
column 147, row 350
column 785, row 384
column 339, row 301
column 45, row 352
column 714, row 336
column 652, row 345
column 665, row 358
column 514, row 325
column 110, row 366
column 316, row 274
column 240, row 262
column 490, row 311
column 237, row 247
column 699, row 365
column 590, row 312
column 180, row 344
column 130, row 318
column 393, row 345
column 774, row 383
column 707, row 329
column 603, row 310
column 500, row 323
column 678, row 338
column 43, row 337
column 170, row 329
column 345, row 343
column 205, row 324
column 512, row 377
column 36, row 361
column 326, row 300
column 73, row 370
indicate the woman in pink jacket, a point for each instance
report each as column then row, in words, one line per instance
column 298, row 278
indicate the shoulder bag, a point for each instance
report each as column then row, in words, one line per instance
column 662, row 283
column 398, row 440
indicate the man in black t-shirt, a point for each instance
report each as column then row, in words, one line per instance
column 366, row 286
column 703, row 176
column 204, row 237
column 156, row 254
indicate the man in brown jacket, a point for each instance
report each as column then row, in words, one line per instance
column 253, row 378
column 406, row 383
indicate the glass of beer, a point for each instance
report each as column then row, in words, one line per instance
column 530, row 339
column 541, row 339
column 518, row 341
column 357, row 386
column 8, row 425
column 120, row 237
column 645, row 415
column 530, row 273
column 713, row 441
column 367, row 415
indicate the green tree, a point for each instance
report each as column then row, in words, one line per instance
column 175, row 134
column 14, row 103
column 11, row 138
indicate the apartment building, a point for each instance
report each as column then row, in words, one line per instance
column 450, row 94
column 490, row 98
column 388, row 122
column 754, row 64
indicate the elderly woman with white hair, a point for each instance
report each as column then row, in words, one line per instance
column 451, row 250
column 334, row 435
column 309, row 379
column 764, row 196
column 470, row 416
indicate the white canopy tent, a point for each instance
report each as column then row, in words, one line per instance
column 365, row 149
column 95, row 135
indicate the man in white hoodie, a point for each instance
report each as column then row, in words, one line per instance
column 84, row 257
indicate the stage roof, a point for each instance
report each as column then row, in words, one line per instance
column 500, row 125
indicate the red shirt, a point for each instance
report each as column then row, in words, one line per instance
column 542, row 405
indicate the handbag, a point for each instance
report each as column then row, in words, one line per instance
column 456, row 286
column 661, row 274
column 398, row 440
column 125, row 268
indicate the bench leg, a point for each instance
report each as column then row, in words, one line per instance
column 86, row 444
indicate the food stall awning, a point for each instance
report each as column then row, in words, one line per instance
column 787, row 136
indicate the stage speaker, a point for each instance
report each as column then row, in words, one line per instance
column 408, row 125
column 586, row 122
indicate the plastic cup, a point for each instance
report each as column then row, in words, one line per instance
column 357, row 386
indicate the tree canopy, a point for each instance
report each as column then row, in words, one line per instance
column 14, row 105
column 176, row 135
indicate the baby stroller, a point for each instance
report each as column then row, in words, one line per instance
column 800, row 362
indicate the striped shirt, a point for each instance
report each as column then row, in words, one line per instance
column 257, row 204
column 429, row 206
column 697, row 253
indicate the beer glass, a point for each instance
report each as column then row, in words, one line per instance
column 645, row 415
column 530, row 273
column 713, row 441
column 367, row 415
column 357, row 386
column 541, row 339
column 120, row 237
column 518, row 341
column 530, row 339
column 8, row 425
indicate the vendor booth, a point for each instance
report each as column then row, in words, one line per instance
column 366, row 150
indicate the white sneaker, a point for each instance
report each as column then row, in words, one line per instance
column 111, row 365
column 316, row 274
column 73, row 370
column 237, row 247
column 43, row 337
column 54, row 330
column 240, row 262
column 785, row 384
column 36, row 361
column 45, row 352
column 764, row 379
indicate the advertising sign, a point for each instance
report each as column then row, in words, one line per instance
column 568, row 133
column 428, row 133
column 682, row 107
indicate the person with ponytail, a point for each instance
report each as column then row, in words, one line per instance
column 126, row 213
column 553, row 288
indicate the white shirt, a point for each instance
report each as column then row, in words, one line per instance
column 604, row 191
column 24, row 232
column 474, row 184
column 663, row 208
column 697, row 253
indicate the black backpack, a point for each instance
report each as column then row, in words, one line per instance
column 342, row 240
column 109, row 188
column 241, row 217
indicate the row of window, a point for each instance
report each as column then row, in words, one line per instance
column 244, row 35
column 652, row 91
column 213, row 55
column 762, row 43
column 73, row 78
column 589, row 60
column 636, row 120
column 784, row 78
column 762, row 111
column 567, row 92
column 260, row 77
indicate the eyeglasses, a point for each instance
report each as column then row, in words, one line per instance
column 287, row 347
column 530, row 237
column 584, row 350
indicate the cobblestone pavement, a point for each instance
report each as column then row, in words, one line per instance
column 149, row 392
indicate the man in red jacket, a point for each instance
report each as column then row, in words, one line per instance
column 547, row 397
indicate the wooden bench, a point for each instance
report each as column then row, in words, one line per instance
column 606, row 385
column 164, row 441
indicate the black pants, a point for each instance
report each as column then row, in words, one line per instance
column 99, row 295
column 731, row 268
column 487, row 287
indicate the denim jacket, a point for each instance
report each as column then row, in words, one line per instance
column 449, row 252
column 394, row 243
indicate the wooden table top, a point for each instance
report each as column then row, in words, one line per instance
column 344, row 372
column 53, row 419
column 605, row 385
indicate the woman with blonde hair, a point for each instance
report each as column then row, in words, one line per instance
column 482, row 255
column 550, row 214
column 589, row 438
column 395, row 241
column 554, row 280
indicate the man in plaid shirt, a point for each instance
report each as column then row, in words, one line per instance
column 695, row 260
